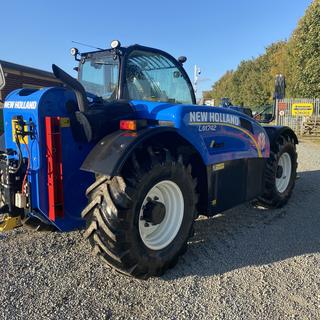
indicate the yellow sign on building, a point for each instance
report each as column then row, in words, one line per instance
column 302, row 109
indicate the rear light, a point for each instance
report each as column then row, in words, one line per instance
column 128, row 125
column 133, row 125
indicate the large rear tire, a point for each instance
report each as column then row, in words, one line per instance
column 281, row 173
column 139, row 223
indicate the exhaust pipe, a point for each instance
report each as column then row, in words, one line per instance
column 74, row 84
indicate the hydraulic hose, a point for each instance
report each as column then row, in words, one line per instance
column 19, row 154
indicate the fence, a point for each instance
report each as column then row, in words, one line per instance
column 302, row 115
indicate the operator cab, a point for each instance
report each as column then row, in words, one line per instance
column 109, row 81
column 134, row 73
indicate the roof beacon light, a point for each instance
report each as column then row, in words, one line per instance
column 115, row 44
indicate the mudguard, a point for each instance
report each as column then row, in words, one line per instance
column 274, row 132
column 110, row 154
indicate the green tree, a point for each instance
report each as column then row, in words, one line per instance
column 252, row 83
column 304, row 51
column 222, row 88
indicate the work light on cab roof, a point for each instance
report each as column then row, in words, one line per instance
column 75, row 52
column 115, row 44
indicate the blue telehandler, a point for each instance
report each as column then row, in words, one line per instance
column 124, row 152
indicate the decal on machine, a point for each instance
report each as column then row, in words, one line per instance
column 208, row 121
column 261, row 140
column 21, row 105
column 199, row 117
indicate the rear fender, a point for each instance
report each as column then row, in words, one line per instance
column 111, row 153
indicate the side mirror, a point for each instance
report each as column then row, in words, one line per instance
column 2, row 78
column 266, row 118
column 266, row 115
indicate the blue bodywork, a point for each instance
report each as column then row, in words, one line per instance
column 237, row 135
column 200, row 125
column 50, row 102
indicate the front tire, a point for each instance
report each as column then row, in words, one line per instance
column 139, row 223
column 280, row 174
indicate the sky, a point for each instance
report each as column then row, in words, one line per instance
column 215, row 35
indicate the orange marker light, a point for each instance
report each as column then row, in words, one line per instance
column 128, row 125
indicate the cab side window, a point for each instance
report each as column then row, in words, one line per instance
column 153, row 77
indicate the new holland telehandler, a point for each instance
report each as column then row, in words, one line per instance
column 125, row 152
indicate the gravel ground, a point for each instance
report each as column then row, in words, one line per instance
column 244, row 264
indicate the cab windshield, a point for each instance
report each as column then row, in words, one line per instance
column 99, row 75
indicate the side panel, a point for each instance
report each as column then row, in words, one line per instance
column 218, row 133
column 234, row 182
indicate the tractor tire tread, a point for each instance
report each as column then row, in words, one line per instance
column 109, row 212
column 271, row 198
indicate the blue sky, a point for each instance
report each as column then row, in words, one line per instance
column 216, row 35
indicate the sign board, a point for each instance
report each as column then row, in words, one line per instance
column 282, row 106
column 302, row 109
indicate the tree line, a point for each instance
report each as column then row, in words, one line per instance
column 252, row 83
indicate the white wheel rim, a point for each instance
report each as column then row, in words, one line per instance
column 283, row 181
column 157, row 237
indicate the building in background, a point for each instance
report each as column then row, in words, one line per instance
column 18, row 76
column 208, row 102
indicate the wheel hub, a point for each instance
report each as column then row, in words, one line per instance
column 154, row 212
column 283, row 172
column 279, row 172
column 161, row 215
